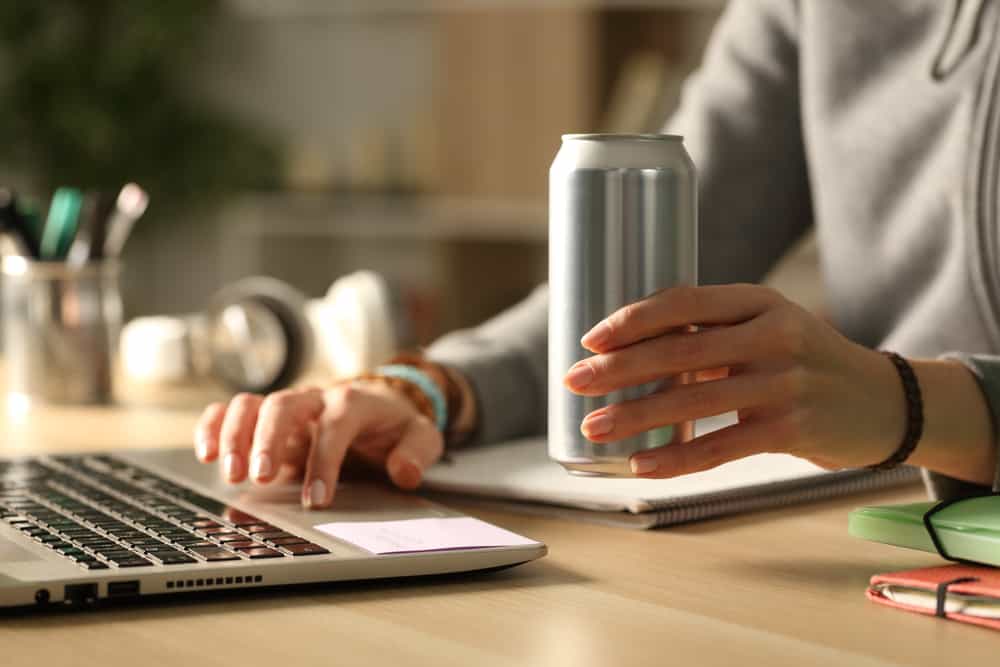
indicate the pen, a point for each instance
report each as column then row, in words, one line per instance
column 129, row 207
column 61, row 225
column 15, row 225
column 90, row 234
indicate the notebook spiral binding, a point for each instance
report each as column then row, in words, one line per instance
column 779, row 494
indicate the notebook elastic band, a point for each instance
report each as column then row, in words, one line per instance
column 942, row 593
column 932, row 531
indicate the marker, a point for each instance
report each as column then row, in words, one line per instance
column 61, row 225
column 15, row 225
column 92, row 230
column 129, row 207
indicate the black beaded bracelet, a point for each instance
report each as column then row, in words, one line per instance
column 914, row 413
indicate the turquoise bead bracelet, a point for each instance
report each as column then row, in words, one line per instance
column 426, row 385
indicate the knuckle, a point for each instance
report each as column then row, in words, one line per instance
column 794, row 384
column 243, row 401
column 699, row 395
column 770, row 294
column 606, row 364
column 790, row 332
column 712, row 455
column 791, row 427
column 351, row 394
column 630, row 411
column 685, row 299
column 423, row 423
column 629, row 317
column 279, row 401
column 343, row 398
column 690, row 346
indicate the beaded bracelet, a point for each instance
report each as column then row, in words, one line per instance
column 407, row 389
column 914, row 413
column 417, row 377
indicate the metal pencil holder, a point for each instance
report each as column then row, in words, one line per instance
column 60, row 330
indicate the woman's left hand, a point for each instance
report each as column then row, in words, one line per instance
column 798, row 385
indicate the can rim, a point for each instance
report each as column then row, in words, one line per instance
column 609, row 136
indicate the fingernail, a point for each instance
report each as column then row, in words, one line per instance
column 317, row 493
column 260, row 466
column 596, row 336
column 597, row 425
column 580, row 375
column 642, row 466
column 407, row 472
column 230, row 466
column 201, row 446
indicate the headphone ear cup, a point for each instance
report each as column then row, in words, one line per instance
column 287, row 305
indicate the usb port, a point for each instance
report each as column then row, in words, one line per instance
column 123, row 589
column 80, row 595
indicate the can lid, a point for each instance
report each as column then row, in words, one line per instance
column 605, row 136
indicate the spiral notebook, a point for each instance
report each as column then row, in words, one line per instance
column 520, row 476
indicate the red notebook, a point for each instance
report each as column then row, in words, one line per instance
column 965, row 593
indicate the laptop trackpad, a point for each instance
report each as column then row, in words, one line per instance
column 11, row 553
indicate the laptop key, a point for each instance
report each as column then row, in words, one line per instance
column 94, row 565
column 228, row 536
column 176, row 558
column 244, row 544
column 135, row 561
column 215, row 554
column 240, row 518
column 305, row 549
column 274, row 534
column 262, row 552
column 282, row 541
column 260, row 528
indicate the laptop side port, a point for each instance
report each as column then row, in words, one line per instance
column 123, row 589
column 80, row 595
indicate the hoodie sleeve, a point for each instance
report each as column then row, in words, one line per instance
column 740, row 119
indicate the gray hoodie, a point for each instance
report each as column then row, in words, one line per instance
column 877, row 124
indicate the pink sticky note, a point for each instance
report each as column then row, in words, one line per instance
column 412, row 535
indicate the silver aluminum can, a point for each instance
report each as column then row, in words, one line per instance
column 622, row 225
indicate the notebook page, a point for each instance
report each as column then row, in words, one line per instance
column 521, row 470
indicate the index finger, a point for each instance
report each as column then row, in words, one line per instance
column 282, row 416
column 347, row 412
column 676, row 308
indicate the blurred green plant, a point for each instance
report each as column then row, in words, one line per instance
column 93, row 93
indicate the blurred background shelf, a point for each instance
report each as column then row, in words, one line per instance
column 409, row 137
column 295, row 9
column 383, row 217
column 414, row 139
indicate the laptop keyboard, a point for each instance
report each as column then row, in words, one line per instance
column 102, row 512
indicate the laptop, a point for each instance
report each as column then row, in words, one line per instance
column 79, row 529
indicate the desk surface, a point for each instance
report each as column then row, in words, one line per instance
column 774, row 588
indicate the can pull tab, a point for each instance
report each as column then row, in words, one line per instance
column 960, row 38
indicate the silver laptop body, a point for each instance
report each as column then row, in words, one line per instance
column 80, row 528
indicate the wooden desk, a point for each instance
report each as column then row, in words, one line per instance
column 774, row 588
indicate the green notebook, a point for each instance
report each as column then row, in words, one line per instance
column 968, row 530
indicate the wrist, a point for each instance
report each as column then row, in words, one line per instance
column 460, row 400
column 913, row 406
column 466, row 418
column 958, row 438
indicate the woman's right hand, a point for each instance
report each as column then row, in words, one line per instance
column 307, row 433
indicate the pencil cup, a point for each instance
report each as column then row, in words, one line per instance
column 60, row 331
